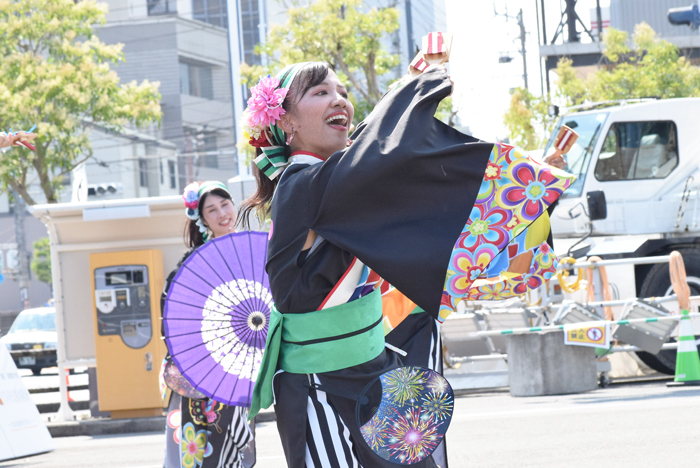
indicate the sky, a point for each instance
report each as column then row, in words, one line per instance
column 482, row 85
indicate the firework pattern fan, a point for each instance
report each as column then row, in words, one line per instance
column 411, row 417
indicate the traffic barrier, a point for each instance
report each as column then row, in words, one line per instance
column 520, row 331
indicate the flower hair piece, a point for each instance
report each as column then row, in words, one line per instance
column 191, row 199
column 262, row 115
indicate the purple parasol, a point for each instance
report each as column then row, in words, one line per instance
column 216, row 316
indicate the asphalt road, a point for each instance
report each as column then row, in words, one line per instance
column 636, row 426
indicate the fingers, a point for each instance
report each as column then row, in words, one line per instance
column 556, row 160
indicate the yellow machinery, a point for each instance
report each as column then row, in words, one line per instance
column 128, row 348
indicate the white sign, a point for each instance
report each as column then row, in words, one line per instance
column 22, row 432
column 12, row 257
column 593, row 334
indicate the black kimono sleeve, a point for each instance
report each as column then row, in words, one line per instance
column 398, row 198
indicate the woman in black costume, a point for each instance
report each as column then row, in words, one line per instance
column 401, row 201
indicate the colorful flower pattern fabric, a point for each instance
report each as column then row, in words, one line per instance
column 515, row 192
column 412, row 417
column 195, row 446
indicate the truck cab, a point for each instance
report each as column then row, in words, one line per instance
column 644, row 157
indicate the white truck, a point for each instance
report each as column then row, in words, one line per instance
column 644, row 156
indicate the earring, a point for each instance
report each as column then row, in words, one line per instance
column 290, row 137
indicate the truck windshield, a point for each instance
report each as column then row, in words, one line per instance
column 588, row 127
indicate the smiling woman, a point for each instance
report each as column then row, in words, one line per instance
column 203, row 432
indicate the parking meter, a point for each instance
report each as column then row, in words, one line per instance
column 123, row 304
column 126, row 289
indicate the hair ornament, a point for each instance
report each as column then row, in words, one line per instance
column 261, row 117
column 191, row 198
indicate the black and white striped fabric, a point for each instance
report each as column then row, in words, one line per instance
column 328, row 441
column 235, row 445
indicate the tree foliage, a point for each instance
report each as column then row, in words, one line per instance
column 41, row 260
column 527, row 120
column 55, row 73
column 650, row 68
column 341, row 33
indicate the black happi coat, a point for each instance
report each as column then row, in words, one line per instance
column 397, row 199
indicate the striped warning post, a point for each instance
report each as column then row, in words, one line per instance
column 687, row 359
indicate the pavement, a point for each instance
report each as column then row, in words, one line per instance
column 630, row 425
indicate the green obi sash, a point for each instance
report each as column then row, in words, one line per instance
column 321, row 341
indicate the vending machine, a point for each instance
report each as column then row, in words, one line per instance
column 128, row 348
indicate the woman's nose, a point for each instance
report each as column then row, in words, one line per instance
column 340, row 101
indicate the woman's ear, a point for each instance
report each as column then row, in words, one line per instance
column 285, row 123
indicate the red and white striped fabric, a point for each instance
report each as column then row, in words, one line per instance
column 419, row 64
column 433, row 43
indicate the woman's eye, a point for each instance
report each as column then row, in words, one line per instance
column 321, row 93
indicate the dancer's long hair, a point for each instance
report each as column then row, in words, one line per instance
column 312, row 74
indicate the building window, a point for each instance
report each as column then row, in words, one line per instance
column 160, row 171
column 172, row 174
column 637, row 151
column 250, row 23
column 196, row 80
column 161, row 7
column 210, row 11
column 143, row 173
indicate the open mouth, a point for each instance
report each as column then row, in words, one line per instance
column 339, row 121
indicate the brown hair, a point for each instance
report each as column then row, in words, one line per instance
column 194, row 238
column 312, row 74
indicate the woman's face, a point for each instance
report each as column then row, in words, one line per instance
column 219, row 215
column 321, row 118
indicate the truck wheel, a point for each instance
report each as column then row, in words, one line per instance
column 657, row 283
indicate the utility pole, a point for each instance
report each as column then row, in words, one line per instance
column 523, row 51
column 409, row 31
column 523, row 39
column 19, row 209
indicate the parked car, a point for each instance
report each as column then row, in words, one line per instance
column 32, row 339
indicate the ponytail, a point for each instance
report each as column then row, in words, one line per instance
column 260, row 201
column 193, row 238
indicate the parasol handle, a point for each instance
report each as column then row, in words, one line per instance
column 678, row 280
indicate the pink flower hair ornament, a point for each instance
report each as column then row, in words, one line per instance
column 265, row 103
column 261, row 116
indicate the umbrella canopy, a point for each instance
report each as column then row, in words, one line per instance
column 216, row 316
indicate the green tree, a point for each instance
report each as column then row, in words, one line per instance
column 652, row 67
column 55, row 73
column 527, row 120
column 41, row 260
column 341, row 33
